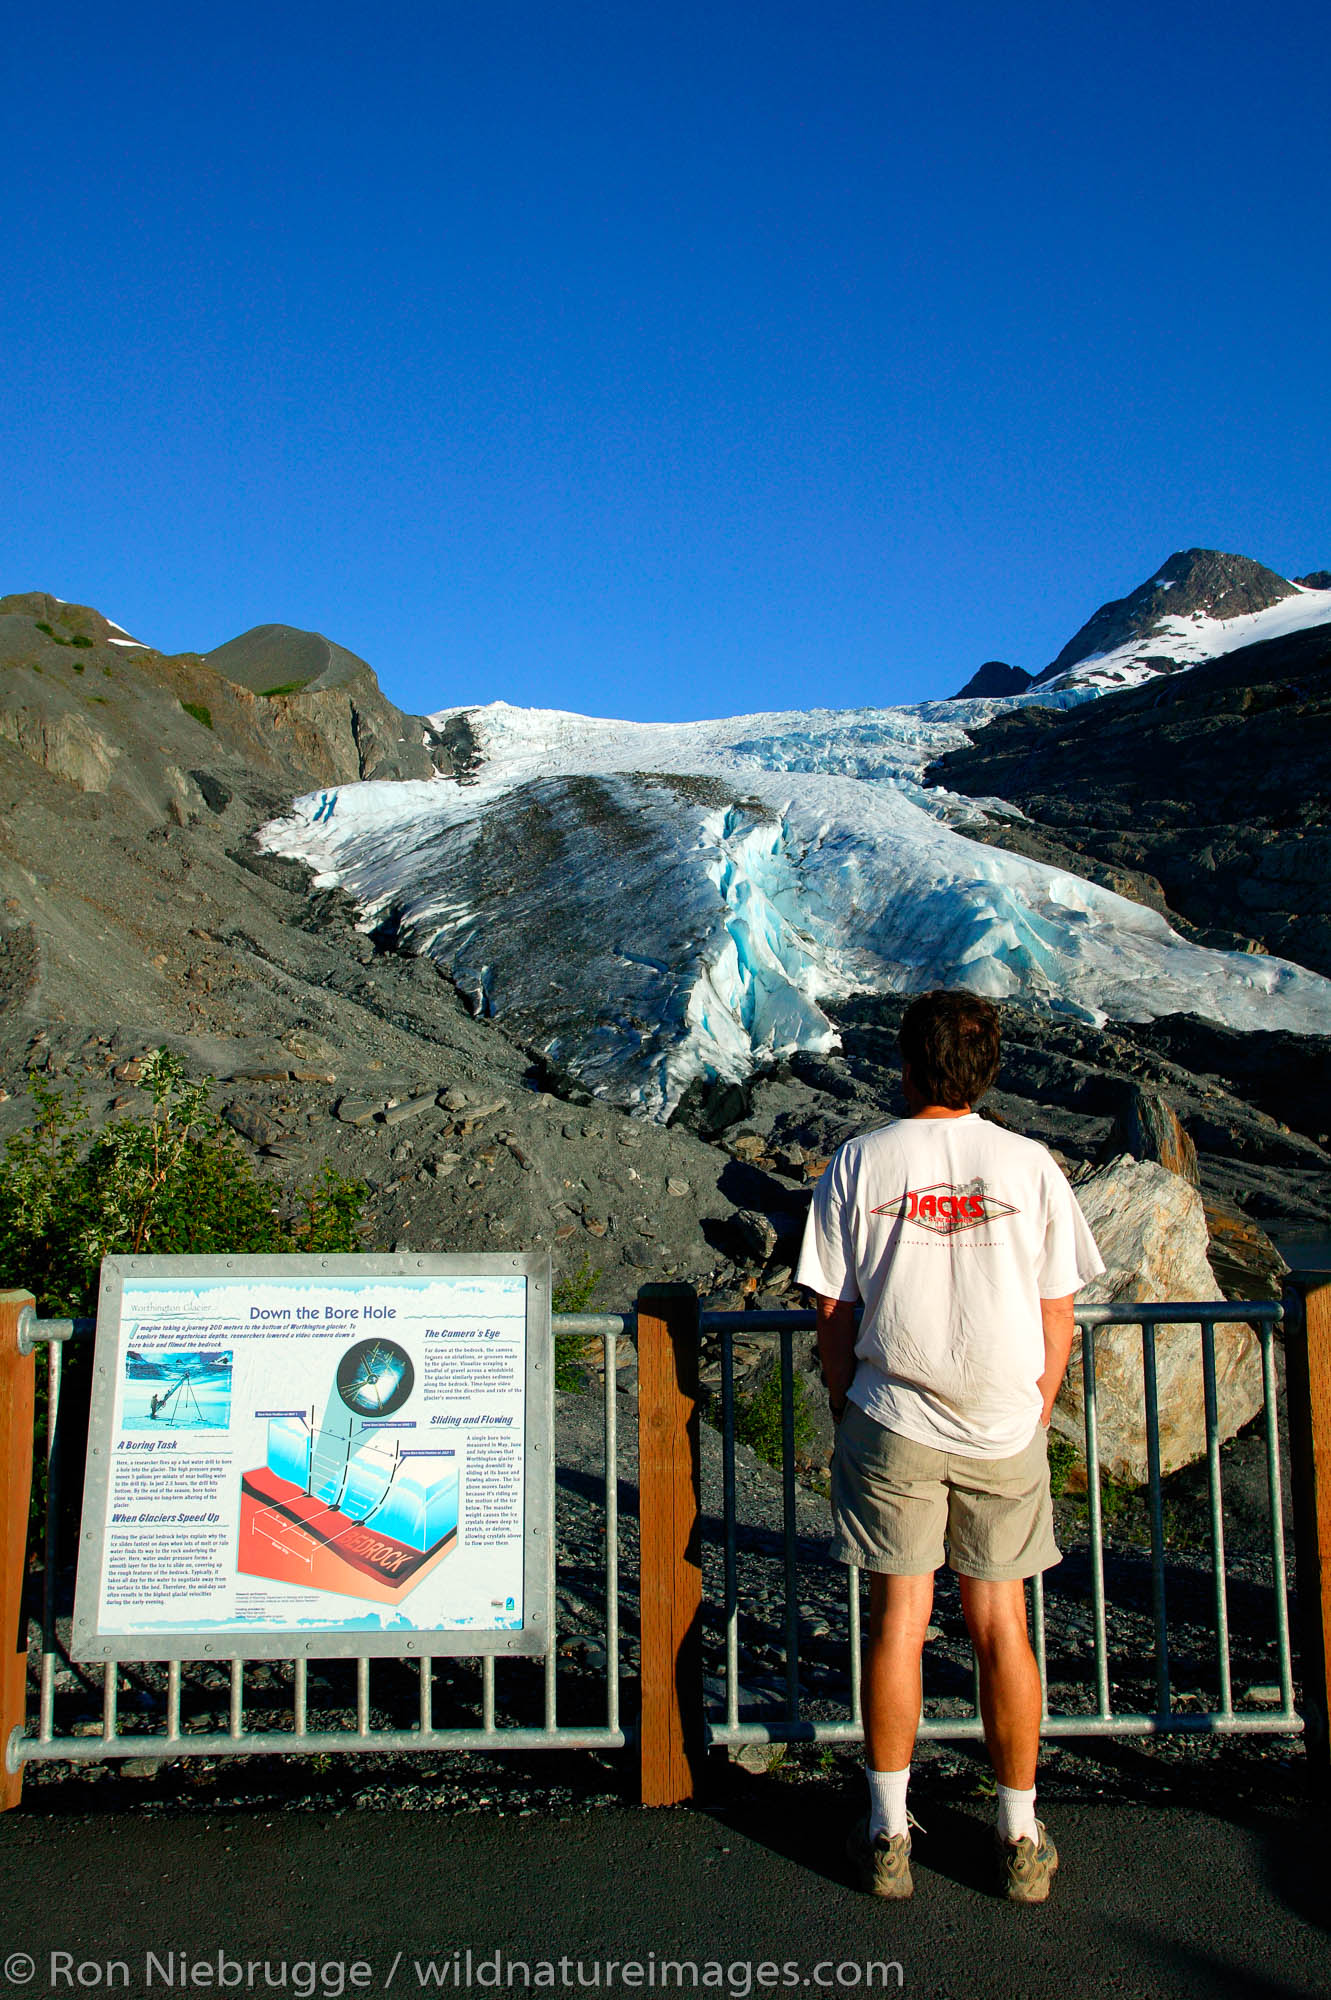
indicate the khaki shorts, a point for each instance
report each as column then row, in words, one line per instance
column 896, row 1503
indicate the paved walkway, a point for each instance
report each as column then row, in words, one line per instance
column 1160, row 1901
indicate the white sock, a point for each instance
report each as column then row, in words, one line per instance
column 1016, row 1814
column 887, row 1801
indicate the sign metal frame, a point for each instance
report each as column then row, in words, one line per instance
column 538, row 1543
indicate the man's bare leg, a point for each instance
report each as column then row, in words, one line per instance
column 1010, row 1707
column 1009, row 1678
column 899, row 1608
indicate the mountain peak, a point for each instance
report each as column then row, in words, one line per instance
column 995, row 677
column 68, row 624
column 1192, row 583
column 283, row 659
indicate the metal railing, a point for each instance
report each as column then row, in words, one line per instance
column 794, row 1725
column 187, row 1727
column 177, row 1736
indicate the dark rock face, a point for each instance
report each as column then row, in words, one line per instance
column 1209, row 793
column 995, row 677
column 1147, row 1128
column 1316, row 579
column 1220, row 586
column 1253, row 1106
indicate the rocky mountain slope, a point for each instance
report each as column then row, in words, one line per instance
column 1207, row 795
column 136, row 908
column 1197, row 606
column 1193, row 584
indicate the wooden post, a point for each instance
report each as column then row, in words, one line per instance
column 670, row 1502
column 1308, row 1395
column 17, row 1379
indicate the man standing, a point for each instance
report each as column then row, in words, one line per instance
column 966, row 1246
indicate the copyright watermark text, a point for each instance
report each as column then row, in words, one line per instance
column 318, row 1978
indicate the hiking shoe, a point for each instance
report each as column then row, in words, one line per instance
column 882, row 1866
column 1027, row 1868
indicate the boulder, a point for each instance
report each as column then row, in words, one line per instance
column 1150, row 1226
column 757, row 1232
column 254, row 1124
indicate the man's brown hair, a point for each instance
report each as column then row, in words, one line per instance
column 950, row 1042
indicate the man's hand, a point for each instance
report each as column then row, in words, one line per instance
column 1059, row 1329
column 836, row 1349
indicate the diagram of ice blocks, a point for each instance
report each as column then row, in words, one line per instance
column 347, row 1511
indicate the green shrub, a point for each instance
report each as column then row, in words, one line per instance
column 174, row 1181
column 78, row 639
column 573, row 1295
column 1062, row 1457
column 287, row 687
column 199, row 712
column 758, row 1418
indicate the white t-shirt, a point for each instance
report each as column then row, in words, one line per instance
column 951, row 1230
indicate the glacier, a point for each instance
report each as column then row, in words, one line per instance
column 647, row 903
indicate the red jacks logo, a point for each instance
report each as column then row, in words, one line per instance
column 946, row 1209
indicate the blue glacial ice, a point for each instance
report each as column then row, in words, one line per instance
column 654, row 902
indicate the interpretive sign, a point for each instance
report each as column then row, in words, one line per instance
column 324, row 1455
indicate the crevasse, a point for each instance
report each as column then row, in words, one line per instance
column 757, row 993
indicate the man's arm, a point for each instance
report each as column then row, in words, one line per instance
column 836, row 1349
column 1059, row 1328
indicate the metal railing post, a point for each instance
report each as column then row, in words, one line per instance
column 17, row 1411
column 670, row 1502
column 1308, row 1395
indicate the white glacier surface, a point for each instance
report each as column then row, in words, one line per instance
column 649, row 903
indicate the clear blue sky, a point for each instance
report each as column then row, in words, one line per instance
column 662, row 360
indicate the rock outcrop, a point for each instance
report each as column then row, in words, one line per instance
column 1147, row 1128
column 304, row 675
column 1193, row 581
column 1213, row 787
column 995, row 677
column 1150, row 1225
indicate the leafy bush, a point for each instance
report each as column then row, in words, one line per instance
column 199, row 712
column 1063, row 1456
column 758, row 1418
column 573, row 1295
column 287, row 687
column 175, row 1181
column 78, row 639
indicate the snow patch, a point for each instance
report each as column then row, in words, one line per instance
column 1188, row 640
